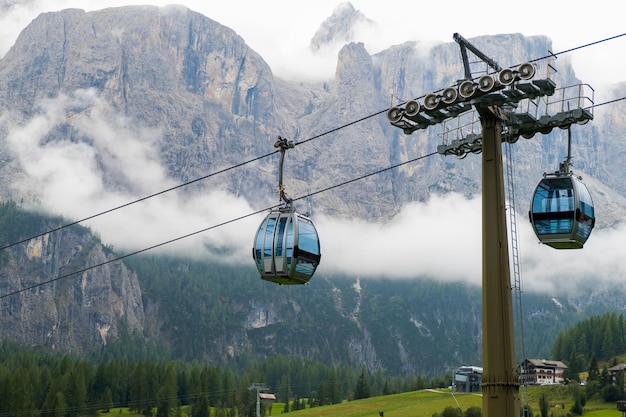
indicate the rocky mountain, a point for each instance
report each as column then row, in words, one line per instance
column 65, row 315
column 219, row 103
column 7, row 4
column 340, row 27
column 126, row 89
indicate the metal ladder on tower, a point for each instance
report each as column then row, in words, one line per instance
column 515, row 262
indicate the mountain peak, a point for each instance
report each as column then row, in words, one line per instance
column 342, row 26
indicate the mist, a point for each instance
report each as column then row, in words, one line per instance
column 442, row 239
column 439, row 239
column 118, row 163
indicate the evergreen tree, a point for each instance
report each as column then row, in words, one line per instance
column 573, row 367
column 212, row 383
column 144, row 381
column 201, row 407
column 321, row 394
column 450, row 411
column 41, row 380
column 118, row 376
column 55, row 405
column 76, row 388
column 100, row 382
column 473, row 411
column 106, row 401
column 610, row 393
column 558, row 347
column 333, row 391
column 577, row 408
column 377, row 383
column 328, row 391
column 593, row 373
column 621, row 336
column 386, row 390
column 544, row 405
column 362, row 389
column 284, row 390
column 608, row 347
column 139, row 388
column 229, row 393
column 605, row 377
column 20, row 393
column 166, row 395
column 246, row 399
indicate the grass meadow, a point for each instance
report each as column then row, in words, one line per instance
column 425, row 403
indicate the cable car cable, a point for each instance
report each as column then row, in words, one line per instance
column 578, row 47
column 186, row 183
column 137, row 252
column 264, row 156
column 215, row 226
column 605, row 103
column 366, row 176
column 119, row 258
column 343, row 126
column 136, row 201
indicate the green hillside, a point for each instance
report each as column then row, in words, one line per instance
column 409, row 404
column 425, row 403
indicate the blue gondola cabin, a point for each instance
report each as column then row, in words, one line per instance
column 561, row 212
column 286, row 247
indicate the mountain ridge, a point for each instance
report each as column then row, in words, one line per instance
column 142, row 98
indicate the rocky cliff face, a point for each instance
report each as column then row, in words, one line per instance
column 209, row 83
column 217, row 103
column 75, row 312
column 214, row 103
column 340, row 27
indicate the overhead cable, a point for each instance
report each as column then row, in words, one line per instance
column 185, row 184
column 578, row 47
column 265, row 156
column 119, row 258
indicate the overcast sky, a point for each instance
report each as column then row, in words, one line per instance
column 280, row 30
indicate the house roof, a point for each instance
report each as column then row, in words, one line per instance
column 264, row 396
column 618, row 367
column 547, row 363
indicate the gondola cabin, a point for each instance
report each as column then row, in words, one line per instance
column 286, row 247
column 561, row 211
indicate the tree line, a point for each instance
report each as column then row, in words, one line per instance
column 36, row 383
column 594, row 346
column 601, row 336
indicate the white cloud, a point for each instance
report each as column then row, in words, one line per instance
column 70, row 177
column 280, row 30
column 440, row 238
column 598, row 265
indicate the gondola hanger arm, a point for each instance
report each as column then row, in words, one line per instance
column 283, row 144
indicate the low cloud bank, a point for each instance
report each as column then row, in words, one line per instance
column 117, row 162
